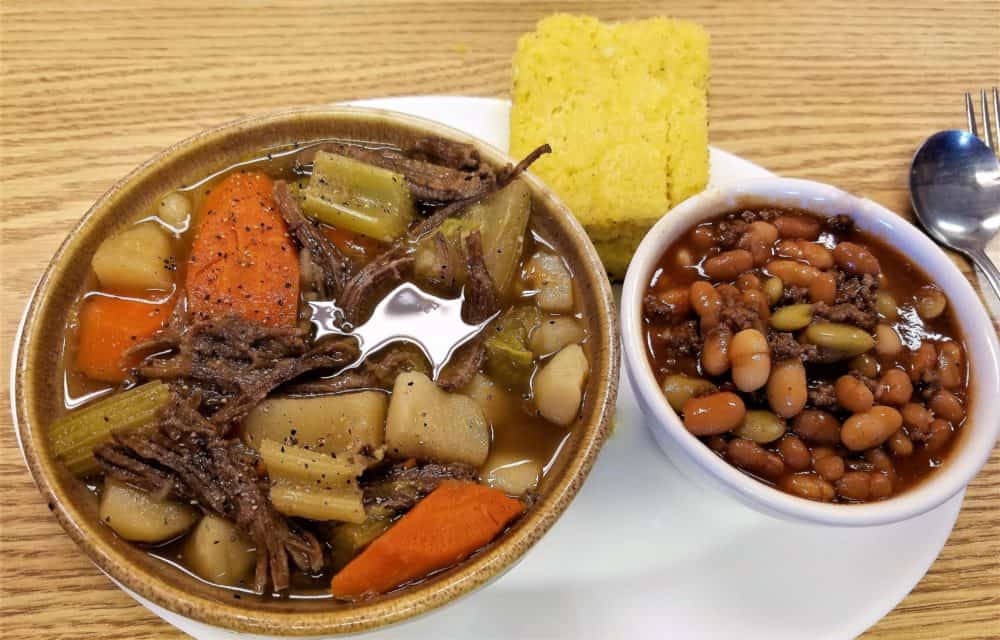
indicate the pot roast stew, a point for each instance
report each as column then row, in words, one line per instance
column 808, row 354
column 226, row 435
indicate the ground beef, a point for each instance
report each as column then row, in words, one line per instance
column 840, row 224
column 784, row 345
column 738, row 316
column 848, row 313
column 751, row 215
column 857, row 290
column 728, row 232
column 657, row 310
column 681, row 339
column 793, row 295
column 823, row 396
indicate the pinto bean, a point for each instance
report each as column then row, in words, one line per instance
column 728, row 265
column 706, row 302
column 810, row 252
column 792, row 272
column 947, row 405
column 823, row 288
column 894, row 388
column 750, row 456
column 951, row 365
column 703, row 237
column 870, row 429
column 764, row 230
column 917, row 419
column 941, row 433
column 929, row 302
column 774, row 288
column 922, row 360
column 678, row 388
column 715, row 356
column 865, row 364
column 880, row 460
column 830, row 467
column 854, row 485
column 900, row 444
column 797, row 227
column 856, row 259
column 795, row 453
column 747, row 282
column 816, row 425
column 750, row 356
column 678, row 299
column 786, row 388
column 880, row 486
column 757, row 300
column 853, row 395
column 809, row 487
column 887, row 341
column 713, row 414
column 717, row 444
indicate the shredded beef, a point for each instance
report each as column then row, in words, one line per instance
column 373, row 281
column 236, row 362
column 457, row 155
column 182, row 454
column 401, row 486
column 325, row 267
column 504, row 177
column 481, row 302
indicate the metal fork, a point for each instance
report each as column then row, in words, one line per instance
column 990, row 136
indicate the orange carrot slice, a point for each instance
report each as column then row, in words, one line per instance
column 443, row 529
column 108, row 327
column 242, row 259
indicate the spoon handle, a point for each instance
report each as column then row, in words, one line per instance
column 989, row 269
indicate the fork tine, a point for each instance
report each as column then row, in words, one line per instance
column 987, row 133
column 970, row 114
column 996, row 118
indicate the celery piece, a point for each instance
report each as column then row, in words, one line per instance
column 509, row 360
column 358, row 197
column 313, row 485
column 501, row 219
column 74, row 436
column 348, row 539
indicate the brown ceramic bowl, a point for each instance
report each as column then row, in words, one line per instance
column 38, row 388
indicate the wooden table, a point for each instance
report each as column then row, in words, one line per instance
column 90, row 89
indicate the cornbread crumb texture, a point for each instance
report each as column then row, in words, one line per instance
column 624, row 108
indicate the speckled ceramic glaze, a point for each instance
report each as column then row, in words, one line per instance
column 37, row 387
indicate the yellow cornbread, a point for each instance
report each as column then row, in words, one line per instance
column 625, row 110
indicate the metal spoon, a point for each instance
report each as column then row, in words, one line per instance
column 955, row 189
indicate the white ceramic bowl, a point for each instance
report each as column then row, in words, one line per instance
column 977, row 437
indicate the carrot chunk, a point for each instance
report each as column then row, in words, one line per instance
column 444, row 528
column 242, row 259
column 108, row 327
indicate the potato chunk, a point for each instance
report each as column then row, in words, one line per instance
column 137, row 516
column 558, row 387
column 135, row 261
column 345, row 422
column 218, row 552
column 547, row 274
column 427, row 423
column 552, row 334
column 512, row 474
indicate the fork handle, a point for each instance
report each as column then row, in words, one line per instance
column 989, row 269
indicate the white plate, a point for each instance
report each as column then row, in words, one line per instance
column 643, row 553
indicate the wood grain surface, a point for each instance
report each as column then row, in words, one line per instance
column 839, row 93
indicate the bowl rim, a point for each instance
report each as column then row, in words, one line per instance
column 405, row 604
column 975, row 445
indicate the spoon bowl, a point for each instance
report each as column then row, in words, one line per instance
column 955, row 189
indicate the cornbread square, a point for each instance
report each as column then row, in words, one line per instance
column 625, row 110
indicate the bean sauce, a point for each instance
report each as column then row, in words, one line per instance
column 810, row 355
